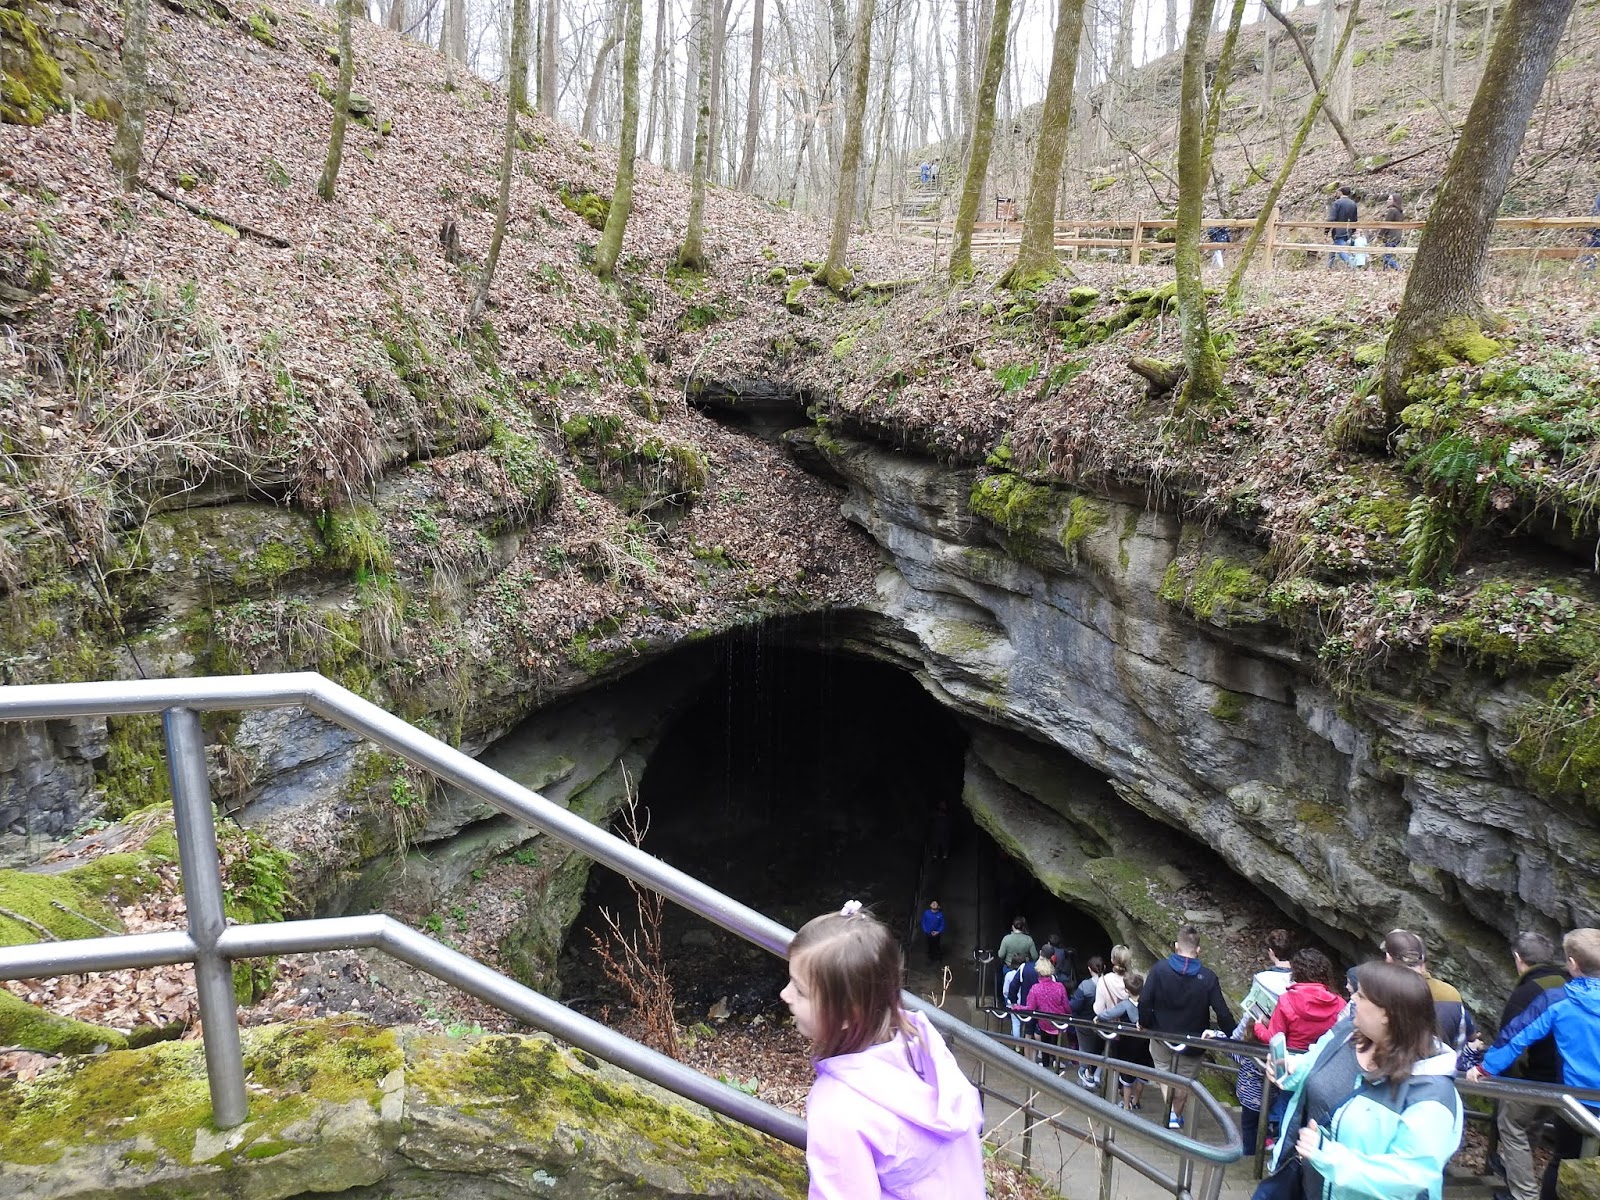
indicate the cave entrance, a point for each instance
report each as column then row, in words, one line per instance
column 800, row 777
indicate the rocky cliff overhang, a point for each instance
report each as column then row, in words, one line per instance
column 1097, row 627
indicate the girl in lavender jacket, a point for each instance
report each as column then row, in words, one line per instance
column 891, row 1116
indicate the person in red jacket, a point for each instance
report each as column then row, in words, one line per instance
column 1309, row 1008
column 1305, row 1012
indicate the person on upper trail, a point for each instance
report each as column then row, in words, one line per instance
column 1374, row 1113
column 1392, row 237
column 1343, row 209
column 925, row 174
column 1456, row 1026
column 1539, row 971
column 1180, row 994
column 890, row 1113
column 933, row 931
column 1572, row 1014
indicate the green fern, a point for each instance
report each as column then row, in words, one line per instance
column 1430, row 538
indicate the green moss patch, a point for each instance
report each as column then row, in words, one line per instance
column 159, row 1094
column 30, row 77
column 1216, row 589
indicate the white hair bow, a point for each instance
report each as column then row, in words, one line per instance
column 850, row 909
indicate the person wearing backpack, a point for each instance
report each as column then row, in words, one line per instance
column 1343, row 212
column 1538, row 972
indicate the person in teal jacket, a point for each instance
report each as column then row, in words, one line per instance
column 1374, row 1113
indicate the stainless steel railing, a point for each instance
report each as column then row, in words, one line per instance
column 212, row 945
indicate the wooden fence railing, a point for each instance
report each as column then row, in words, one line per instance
column 1136, row 235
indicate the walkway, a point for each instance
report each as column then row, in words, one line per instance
column 1064, row 1163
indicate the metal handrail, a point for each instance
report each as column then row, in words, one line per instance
column 211, row 945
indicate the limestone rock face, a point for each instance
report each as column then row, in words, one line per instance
column 46, row 783
column 339, row 1106
column 1358, row 812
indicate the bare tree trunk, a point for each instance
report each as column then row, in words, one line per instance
column 1311, row 70
column 610, row 247
column 396, row 18
column 1269, row 63
column 1442, row 312
column 1169, row 32
column 835, row 274
column 128, row 152
column 884, row 98
column 591, row 98
column 655, row 77
column 719, row 39
column 694, row 48
column 964, row 66
column 980, row 143
column 549, row 96
column 516, row 99
column 453, row 37
column 1036, row 258
column 947, row 128
column 752, row 114
column 692, row 254
column 341, row 105
column 1199, row 353
column 1269, row 206
column 1447, row 57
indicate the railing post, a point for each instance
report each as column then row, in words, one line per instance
column 1138, row 232
column 1272, row 240
column 202, row 891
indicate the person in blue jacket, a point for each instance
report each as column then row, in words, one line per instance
column 1572, row 1013
column 933, row 930
column 1373, row 1111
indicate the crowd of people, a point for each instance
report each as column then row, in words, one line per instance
column 1362, row 1069
column 1363, row 1097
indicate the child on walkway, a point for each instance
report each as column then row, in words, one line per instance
column 890, row 1113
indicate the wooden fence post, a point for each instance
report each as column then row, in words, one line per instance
column 1138, row 231
column 1272, row 239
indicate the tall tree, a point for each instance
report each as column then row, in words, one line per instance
column 453, row 37
column 835, row 274
column 963, row 66
column 396, row 18
column 1200, row 358
column 1442, row 313
column 694, row 49
column 1309, row 59
column 128, row 152
column 1036, row 257
column 655, row 76
column 610, row 247
column 980, row 142
column 1269, row 206
column 516, row 101
column 341, row 104
column 549, row 94
column 591, row 98
column 692, row 254
column 752, row 112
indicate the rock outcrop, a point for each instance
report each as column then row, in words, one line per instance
column 1099, row 627
column 342, row 1106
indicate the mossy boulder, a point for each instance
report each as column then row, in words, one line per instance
column 340, row 1105
column 30, row 76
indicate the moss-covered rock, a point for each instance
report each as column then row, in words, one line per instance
column 339, row 1104
column 30, row 77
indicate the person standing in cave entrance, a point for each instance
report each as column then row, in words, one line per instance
column 933, row 930
column 1016, row 948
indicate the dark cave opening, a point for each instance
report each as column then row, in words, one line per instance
column 800, row 778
